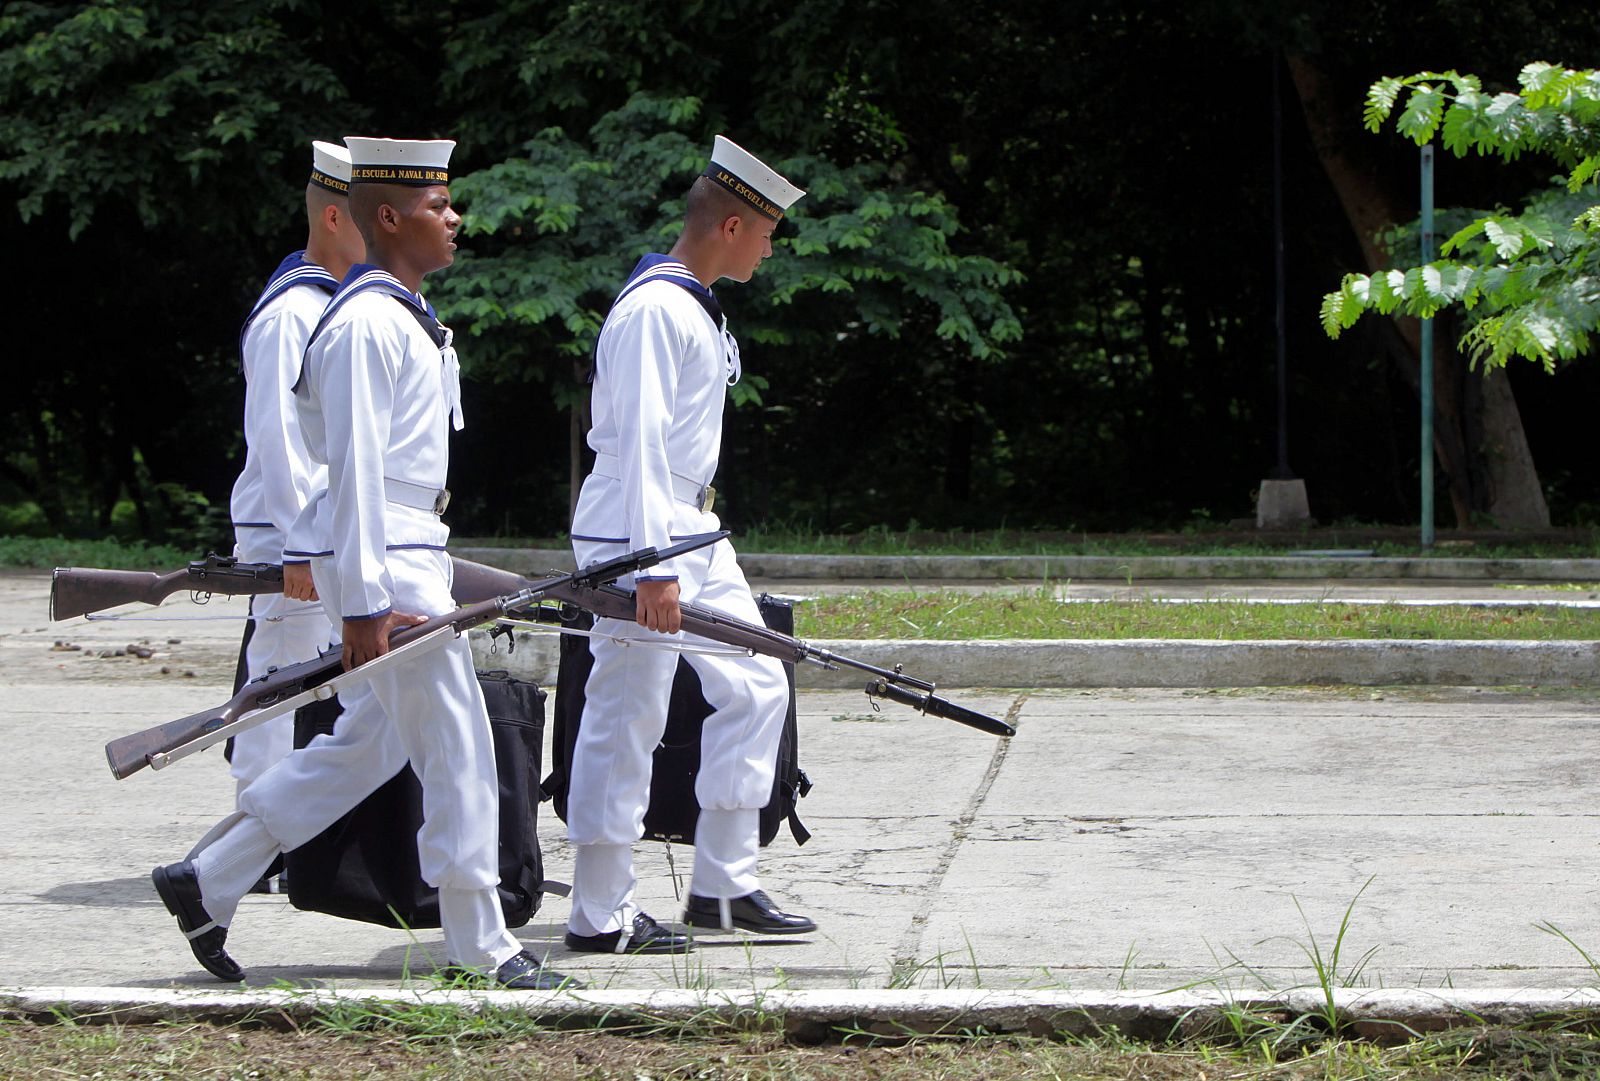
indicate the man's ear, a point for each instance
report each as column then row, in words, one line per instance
column 389, row 218
column 731, row 226
column 332, row 217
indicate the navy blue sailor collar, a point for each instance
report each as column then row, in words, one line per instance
column 363, row 278
column 295, row 270
column 657, row 267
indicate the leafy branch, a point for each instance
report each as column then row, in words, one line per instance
column 1527, row 279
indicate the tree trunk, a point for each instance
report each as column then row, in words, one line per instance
column 1503, row 448
column 1478, row 435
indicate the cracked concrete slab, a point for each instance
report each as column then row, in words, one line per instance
column 1144, row 839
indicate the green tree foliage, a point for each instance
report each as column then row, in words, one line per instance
column 876, row 263
column 564, row 220
column 155, row 154
column 125, row 95
column 1528, row 279
column 1071, row 167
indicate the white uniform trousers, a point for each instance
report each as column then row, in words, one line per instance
column 429, row 711
column 286, row 632
column 624, row 717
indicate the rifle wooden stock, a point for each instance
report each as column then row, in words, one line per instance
column 614, row 603
column 129, row 754
column 478, row 582
column 78, row 591
column 81, row 591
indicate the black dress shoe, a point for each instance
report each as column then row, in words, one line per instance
column 180, row 892
column 648, row 937
column 521, row 973
column 752, row 912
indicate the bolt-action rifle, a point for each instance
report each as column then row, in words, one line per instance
column 893, row 684
column 321, row 677
column 473, row 580
column 78, row 591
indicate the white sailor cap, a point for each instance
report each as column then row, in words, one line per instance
column 752, row 180
column 330, row 167
column 418, row 162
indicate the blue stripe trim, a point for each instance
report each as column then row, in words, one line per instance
column 655, row 578
column 625, row 540
column 653, row 266
column 656, row 267
column 254, row 525
column 363, row 619
column 387, row 548
column 296, row 562
column 364, row 276
column 295, row 270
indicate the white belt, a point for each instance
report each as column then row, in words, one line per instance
column 416, row 496
column 684, row 489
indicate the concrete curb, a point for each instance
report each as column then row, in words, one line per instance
column 1379, row 1014
column 786, row 567
column 1150, row 662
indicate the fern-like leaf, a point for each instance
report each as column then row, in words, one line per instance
column 1423, row 110
column 1583, row 172
column 1461, row 236
column 1381, row 97
column 1506, row 236
column 1538, row 76
column 1329, row 314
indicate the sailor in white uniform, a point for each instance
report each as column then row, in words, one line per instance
column 377, row 395
column 663, row 365
column 279, row 475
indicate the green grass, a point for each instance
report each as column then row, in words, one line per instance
column 464, row 1047
column 952, row 614
column 42, row 552
column 1395, row 542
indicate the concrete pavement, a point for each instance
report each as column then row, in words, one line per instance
column 1142, row 839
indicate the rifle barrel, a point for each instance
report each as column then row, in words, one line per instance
column 614, row 603
column 940, row 707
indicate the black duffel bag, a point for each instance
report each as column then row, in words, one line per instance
column 673, row 809
column 364, row 866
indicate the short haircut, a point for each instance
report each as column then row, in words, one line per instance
column 365, row 199
column 709, row 204
column 318, row 197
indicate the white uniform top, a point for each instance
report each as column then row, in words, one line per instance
column 661, row 378
column 374, row 402
column 279, row 475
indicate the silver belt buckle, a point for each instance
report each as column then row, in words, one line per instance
column 441, row 500
column 708, row 499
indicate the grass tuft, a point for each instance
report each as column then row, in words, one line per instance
column 1040, row 614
